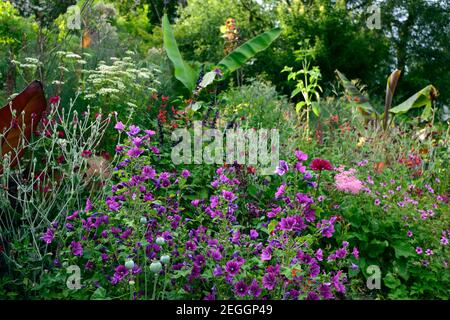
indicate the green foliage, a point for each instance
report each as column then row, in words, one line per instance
column 236, row 59
column 307, row 84
column 183, row 72
column 356, row 98
column 248, row 50
column 423, row 98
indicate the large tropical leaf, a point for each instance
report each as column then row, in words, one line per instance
column 238, row 57
column 19, row 119
column 355, row 96
column 183, row 72
column 390, row 89
column 423, row 98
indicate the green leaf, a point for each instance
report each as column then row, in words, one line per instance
column 196, row 106
column 238, row 57
column 356, row 97
column 183, row 72
column 402, row 249
column 377, row 247
column 99, row 294
column 391, row 281
column 423, row 98
column 315, row 108
column 272, row 226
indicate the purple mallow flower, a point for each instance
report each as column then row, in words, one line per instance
column 282, row 168
column 76, row 248
column 48, row 236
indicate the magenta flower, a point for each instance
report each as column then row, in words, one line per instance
column 280, row 191
column 135, row 152
column 287, row 224
column 355, row 253
column 215, row 255
column 266, row 254
column 86, row 154
column 269, row 281
column 48, row 236
column 253, row 234
column 76, row 248
column 419, row 250
column 88, row 205
column 300, row 167
column 254, row 289
column 228, row 195
column 241, row 288
column 282, row 168
column 185, row 173
column 300, row 155
column 134, row 130
column 112, row 204
column 232, row 268
column 327, row 227
column 319, row 254
column 325, row 291
column 119, row 126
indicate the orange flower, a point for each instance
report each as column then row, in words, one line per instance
column 295, row 271
column 378, row 167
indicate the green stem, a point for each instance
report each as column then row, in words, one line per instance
column 154, row 286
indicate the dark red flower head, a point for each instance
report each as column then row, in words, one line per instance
column 321, row 164
column 54, row 100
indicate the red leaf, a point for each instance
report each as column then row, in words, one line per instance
column 31, row 102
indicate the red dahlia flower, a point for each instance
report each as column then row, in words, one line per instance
column 321, row 164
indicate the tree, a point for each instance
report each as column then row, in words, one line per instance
column 419, row 33
column 14, row 31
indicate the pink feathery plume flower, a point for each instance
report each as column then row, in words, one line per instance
column 347, row 182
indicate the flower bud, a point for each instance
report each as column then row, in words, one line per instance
column 165, row 259
column 155, row 267
column 160, row 240
column 129, row 264
column 143, row 220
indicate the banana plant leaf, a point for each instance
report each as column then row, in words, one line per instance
column 19, row 119
column 423, row 98
column 355, row 96
column 183, row 72
column 238, row 57
column 390, row 90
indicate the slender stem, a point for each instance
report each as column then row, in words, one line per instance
column 154, row 287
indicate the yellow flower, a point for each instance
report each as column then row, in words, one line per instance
column 361, row 142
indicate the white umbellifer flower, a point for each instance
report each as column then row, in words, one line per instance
column 106, row 91
column 62, row 142
column 28, row 66
column 32, row 60
column 73, row 56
